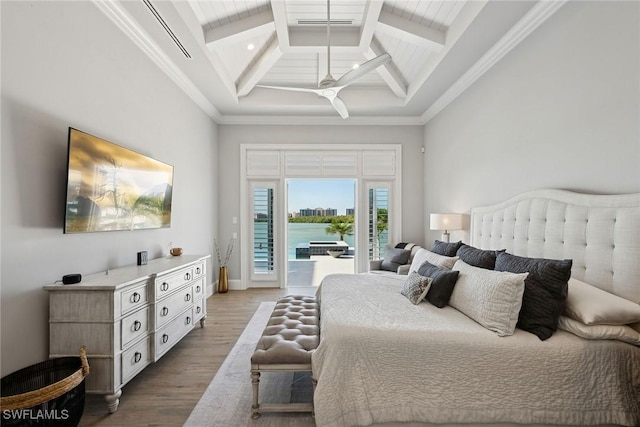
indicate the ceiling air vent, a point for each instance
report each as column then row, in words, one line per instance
column 324, row 21
column 167, row 29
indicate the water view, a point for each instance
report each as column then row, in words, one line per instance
column 306, row 232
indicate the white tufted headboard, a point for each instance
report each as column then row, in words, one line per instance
column 600, row 233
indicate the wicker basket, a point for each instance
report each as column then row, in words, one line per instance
column 49, row 393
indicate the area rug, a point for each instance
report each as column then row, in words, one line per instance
column 227, row 400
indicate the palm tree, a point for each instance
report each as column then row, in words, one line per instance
column 340, row 228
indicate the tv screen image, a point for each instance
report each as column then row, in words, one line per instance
column 112, row 188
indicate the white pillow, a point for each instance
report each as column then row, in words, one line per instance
column 592, row 306
column 438, row 260
column 600, row 332
column 491, row 298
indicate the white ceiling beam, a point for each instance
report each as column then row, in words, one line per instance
column 242, row 29
column 279, row 11
column 411, row 32
column 389, row 74
column 258, row 68
column 369, row 22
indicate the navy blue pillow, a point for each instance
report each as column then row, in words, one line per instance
column 443, row 282
column 545, row 291
column 446, row 249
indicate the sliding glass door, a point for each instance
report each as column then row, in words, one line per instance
column 375, row 176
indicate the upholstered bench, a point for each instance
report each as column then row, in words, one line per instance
column 291, row 336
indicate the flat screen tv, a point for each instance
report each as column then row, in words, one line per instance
column 112, row 188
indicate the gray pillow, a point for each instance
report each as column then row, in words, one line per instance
column 545, row 291
column 478, row 257
column 415, row 288
column 394, row 258
column 446, row 249
column 443, row 283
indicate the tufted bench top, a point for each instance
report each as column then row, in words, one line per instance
column 292, row 332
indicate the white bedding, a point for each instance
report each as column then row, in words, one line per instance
column 382, row 359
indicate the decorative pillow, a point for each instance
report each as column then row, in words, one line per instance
column 491, row 298
column 478, row 257
column 592, row 306
column 443, row 283
column 394, row 258
column 415, row 288
column 423, row 255
column 446, row 249
column 545, row 291
column 600, row 332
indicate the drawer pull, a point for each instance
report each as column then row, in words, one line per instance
column 198, row 309
column 135, row 297
column 198, row 270
column 137, row 357
column 187, row 276
column 165, row 338
column 137, row 325
column 198, row 289
column 164, row 311
column 164, row 286
column 187, row 297
column 188, row 320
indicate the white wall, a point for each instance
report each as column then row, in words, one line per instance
column 65, row 64
column 560, row 111
column 230, row 137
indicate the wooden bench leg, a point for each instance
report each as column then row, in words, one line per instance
column 255, row 408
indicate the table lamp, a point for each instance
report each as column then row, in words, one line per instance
column 446, row 222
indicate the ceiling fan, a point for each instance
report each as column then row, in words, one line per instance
column 330, row 87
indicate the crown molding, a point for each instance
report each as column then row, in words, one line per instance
column 530, row 22
column 119, row 16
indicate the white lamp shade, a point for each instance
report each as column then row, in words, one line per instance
column 447, row 221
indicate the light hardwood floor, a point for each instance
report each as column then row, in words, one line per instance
column 165, row 392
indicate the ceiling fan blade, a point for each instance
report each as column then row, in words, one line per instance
column 293, row 89
column 363, row 69
column 340, row 107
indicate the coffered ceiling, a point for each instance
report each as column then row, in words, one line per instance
column 221, row 53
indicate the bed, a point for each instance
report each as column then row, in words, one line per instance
column 384, row 361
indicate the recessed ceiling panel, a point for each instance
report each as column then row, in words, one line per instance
column 214, row 13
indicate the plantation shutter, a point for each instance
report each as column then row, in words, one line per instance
column 264, row 254
column 378, row 221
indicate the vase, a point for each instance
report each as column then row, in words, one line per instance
column 223, row 284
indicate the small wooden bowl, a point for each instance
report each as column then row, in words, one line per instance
column 176, row 251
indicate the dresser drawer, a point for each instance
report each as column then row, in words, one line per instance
column 198, row 269
column 134, row 325
column 135, row 359
column 198, row 288
column 199, row 309
column 133, row 298
column 169, row 307
column 171, row 333
column 165, row 285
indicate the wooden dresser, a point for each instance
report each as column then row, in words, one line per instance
column 127, row 317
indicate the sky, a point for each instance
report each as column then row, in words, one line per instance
column 325, row 193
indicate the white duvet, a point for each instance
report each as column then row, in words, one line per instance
column 382, row 359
